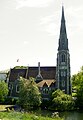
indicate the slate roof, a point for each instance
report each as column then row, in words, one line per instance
column 47, row 72
column 15, row 72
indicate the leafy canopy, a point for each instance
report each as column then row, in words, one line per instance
column 3, row 90
column 77, row 82
column 61, row 101
column 29, row 95
column 77, row 79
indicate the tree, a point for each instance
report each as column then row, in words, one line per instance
column 77, row 79
column 61, row 101
column 29, row 95
column 77, row 82
column 3, row 90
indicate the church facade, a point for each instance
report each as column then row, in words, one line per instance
column 48, row 78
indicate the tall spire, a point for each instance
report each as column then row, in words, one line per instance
column 63, row 17
column 63, row 41
column 63, row 60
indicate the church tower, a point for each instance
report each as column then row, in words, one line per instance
column 63, row 60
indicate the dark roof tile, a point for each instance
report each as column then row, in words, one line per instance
column 47, row 72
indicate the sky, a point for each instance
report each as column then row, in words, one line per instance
column 29, row 31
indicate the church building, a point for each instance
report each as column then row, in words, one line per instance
column 48, row 78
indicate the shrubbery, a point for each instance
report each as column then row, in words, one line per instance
column 61, row 101
column 29, row 95
column 3, row 91
column 77, row 82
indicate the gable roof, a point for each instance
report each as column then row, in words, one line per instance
column 15, row 72
column 47, row 72
column 47, row 82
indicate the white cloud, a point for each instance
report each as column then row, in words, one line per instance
column 25, row 42
column 73, row 17
column 33, row 3
column 51, row 23
column 48, row 24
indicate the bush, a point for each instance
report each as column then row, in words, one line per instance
column 3, row 91
column 61, row 101
column 29, row 95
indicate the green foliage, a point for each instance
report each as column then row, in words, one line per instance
column 29, row 95
column 61, row 101
column 77, row 79
column 77, row 82
column 24, row 116
column 20, row 67
column 3, row 91
column 10, row 101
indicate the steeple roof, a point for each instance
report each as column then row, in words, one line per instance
column 63, row 41
column 39, row 76
column 63, row 17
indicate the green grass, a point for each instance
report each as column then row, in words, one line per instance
column 23, row 116
column 36, row 115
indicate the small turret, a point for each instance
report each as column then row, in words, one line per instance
column 39, row 76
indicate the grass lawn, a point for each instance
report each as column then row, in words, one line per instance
column 23, row 116
column 12, row 115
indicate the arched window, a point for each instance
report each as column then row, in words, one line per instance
column 17, row 88
column 63, row 83
column 63, row 58
column 45, row 91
